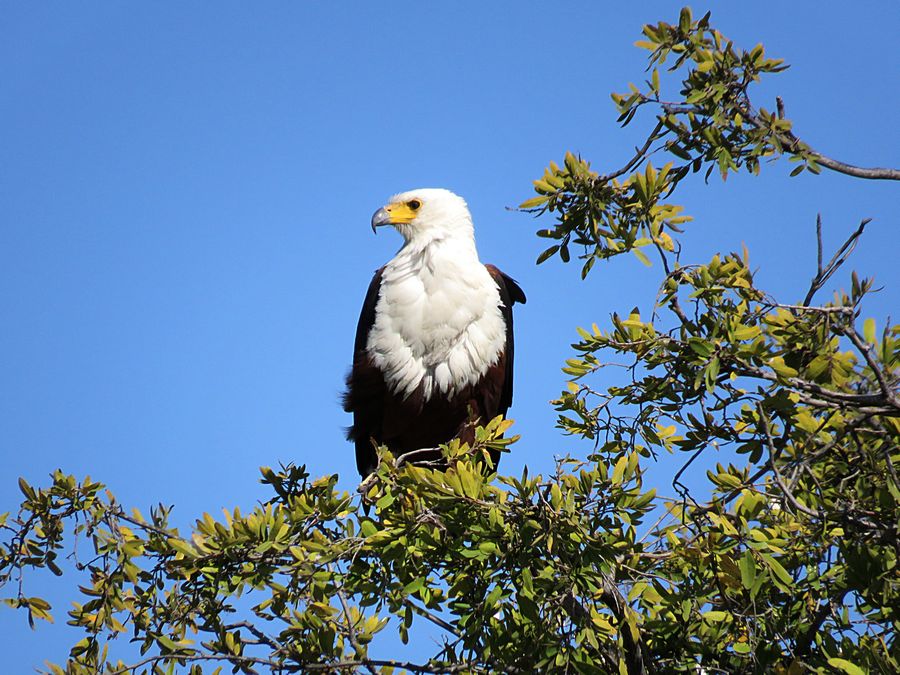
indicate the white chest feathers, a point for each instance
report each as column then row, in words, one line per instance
column 437, row 322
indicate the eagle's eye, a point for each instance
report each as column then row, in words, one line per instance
column 414, row 204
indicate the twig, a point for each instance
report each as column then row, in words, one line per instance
column 262, row 637
column 866, row 350
column 351, row 629
column 819, row 243
column 838, row 259
column 779, row 106
column 639, row 155
column 819, row 396
column 433, row 618
column 821, row 310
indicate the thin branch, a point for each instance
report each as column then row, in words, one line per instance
column 351, row 629
column 819, row 243
column 410, row 457
column 820, row 310
column 866, row 350
column 433, row 618
column 838, row 259
column 262, row 637
column 792, row 143
column 819, row 396
column 640, row 154
column 874, row 173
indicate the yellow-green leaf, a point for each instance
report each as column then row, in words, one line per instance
column 846, row 666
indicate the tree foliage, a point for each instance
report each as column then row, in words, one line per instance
column 787, row 563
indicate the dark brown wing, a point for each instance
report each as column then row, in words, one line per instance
column 510, row 293
column 365, row 395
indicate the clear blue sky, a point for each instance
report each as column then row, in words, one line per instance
column 185, row 198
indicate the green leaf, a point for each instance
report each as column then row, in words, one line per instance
column 700, row 346
column 619, row 471
column 716, row 616
column 26, row 489
column 414, row 586
column 534, row 202
column 684, row 19
column 746, row 332
column 748, row 569
column 367, row 528
column 869, row 331
column 547, row 254
column 776, row 567
column 846, row 666
column 640, row 255
column 167, row 642
column 182, row 547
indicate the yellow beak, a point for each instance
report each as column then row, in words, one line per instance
column 393, row 214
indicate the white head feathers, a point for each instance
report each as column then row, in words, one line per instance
column 426, row 215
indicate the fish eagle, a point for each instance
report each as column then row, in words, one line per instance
column 433, row 355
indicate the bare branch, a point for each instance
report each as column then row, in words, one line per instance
column 819, row 244
column 838, row 259
column 875, row 173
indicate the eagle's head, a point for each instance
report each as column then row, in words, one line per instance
column 426, row 215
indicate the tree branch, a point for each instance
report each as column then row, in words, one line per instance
column 865, row 349
column 433, row 618
column 639, row 156
column 838, row 259
column 794, row 147
column 804, row 644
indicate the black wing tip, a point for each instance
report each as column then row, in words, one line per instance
column 515, row 292
column 518, row 294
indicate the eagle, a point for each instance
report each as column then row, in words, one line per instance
column 433, row 355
